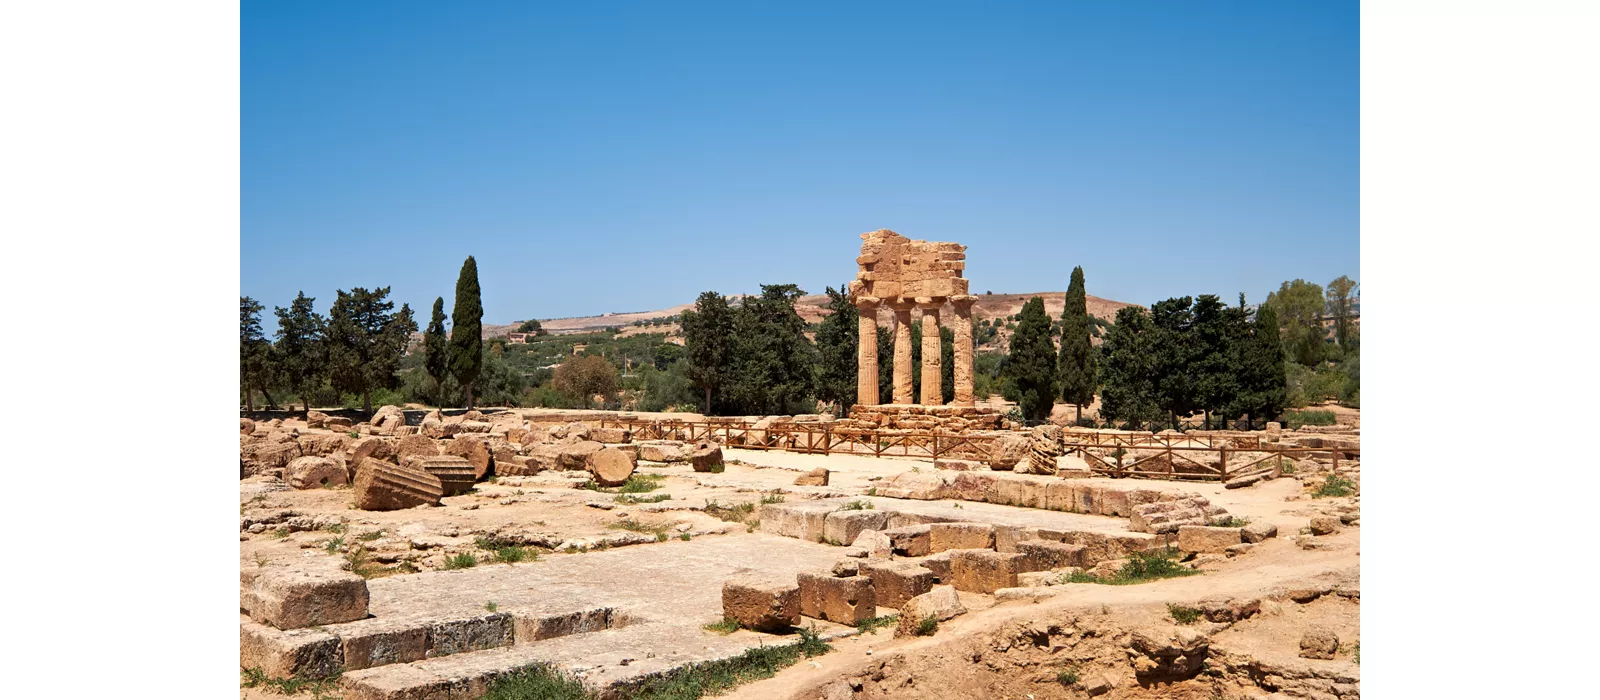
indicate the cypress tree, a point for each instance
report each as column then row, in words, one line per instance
column 300, row 349
column 1216, row 376
column 885, row 364
column 1032, row 362
column 466, row 336
column 1263, row 373
column 436, row 347
column 947, row 362
column 707, row 336
column 837, row 340
column 1076, row 362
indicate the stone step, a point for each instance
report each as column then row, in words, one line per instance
column 381, row 641
column 601, row 660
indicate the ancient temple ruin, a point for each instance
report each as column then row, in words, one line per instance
column 904, row 274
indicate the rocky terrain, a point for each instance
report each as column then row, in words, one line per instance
column 420, row 554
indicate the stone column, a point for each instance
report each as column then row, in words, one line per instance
column 932, row 377
column 963, row 332
column 902, row 350
column 867, row 352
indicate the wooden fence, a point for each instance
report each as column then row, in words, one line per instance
column 1183, row 457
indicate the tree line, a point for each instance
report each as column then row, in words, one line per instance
column 359, row 347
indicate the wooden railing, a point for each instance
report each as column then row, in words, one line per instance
column 1182, row 457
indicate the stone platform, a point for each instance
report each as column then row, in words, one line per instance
column 435, row 634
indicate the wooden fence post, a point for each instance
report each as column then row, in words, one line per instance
column 1223, row 453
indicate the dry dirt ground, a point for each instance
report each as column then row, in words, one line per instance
column 1074, row 640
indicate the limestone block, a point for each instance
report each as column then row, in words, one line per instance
column 1258, row 531
column 843, row 600
column 575, row 456
column 763, row 604
column 815, row 477
column 947, row 536
column 303, row 653
column 314, row 473
column 1207, row 540
column 910, row 540
column 940, row 603
column 844, row 526
column 382, row 645
column 706, row 457
column 983, row 570
column 288, row 598
column 1044, row 555
column 894, row 583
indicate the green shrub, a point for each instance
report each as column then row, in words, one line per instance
column 1068, row 676
column 770, row 498
column 927, row 626
column 1142, row 567
column 1334, row 486
column 1231, row 521
column 1183, row 614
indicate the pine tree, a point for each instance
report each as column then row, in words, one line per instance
column 1128, row 360
column 256, row 361
column 1175, row 357
column 1076, row 362
column 1032, row 362
column 301, row 352
column 366, row 341
column 772, row 358
column 436, row 347
column 838, row 337
column 1263, row 393
column 466, row 334
column 707, row 340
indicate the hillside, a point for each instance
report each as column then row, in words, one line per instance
column 812, row 308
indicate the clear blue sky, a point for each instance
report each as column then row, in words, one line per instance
column 607, row 156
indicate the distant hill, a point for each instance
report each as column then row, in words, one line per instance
column 813, row 308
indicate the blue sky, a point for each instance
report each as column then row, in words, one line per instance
column 614, row 156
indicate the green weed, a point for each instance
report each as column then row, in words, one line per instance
column 1231, row 521
column 1068, row 676
column 540, row 681
column 927, row 626
column 320, row 689
column 464, row 560
column 770, row 498
column 491, row 606
column 727, row 626
column 632, row 525
column 871, row 625
column 1183, row 614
